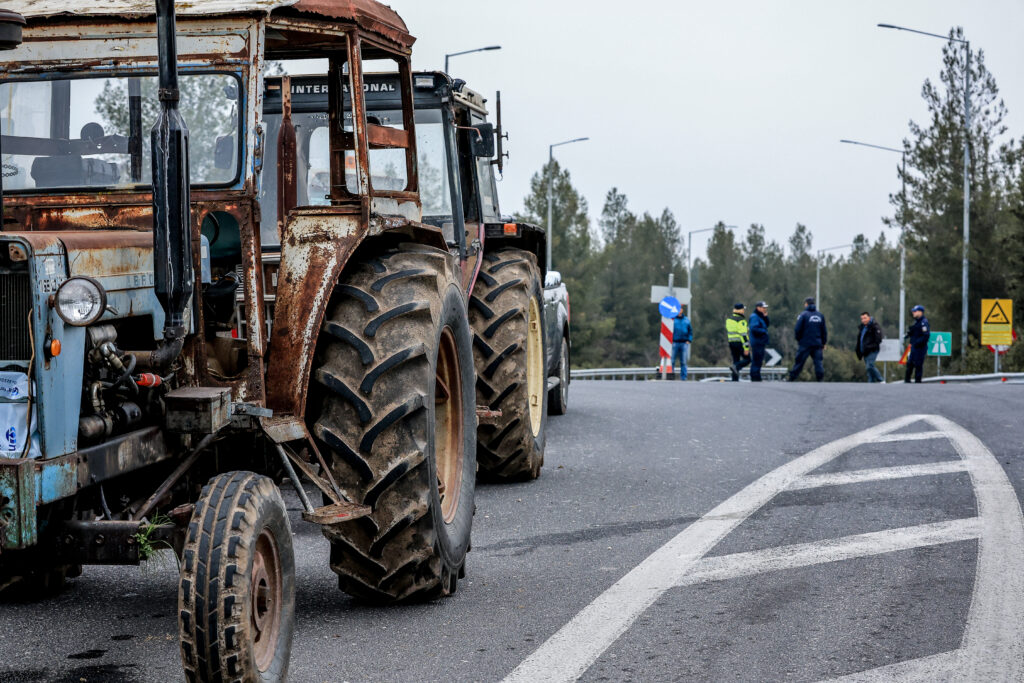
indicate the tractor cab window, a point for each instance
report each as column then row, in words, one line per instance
column 95, row 132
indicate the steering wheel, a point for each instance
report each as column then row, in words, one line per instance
column 216, row 227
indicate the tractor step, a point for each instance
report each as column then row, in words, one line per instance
column 337, row 513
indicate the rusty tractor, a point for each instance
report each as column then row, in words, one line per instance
column 520, row 333
column 192, row 320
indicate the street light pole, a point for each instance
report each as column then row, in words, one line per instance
column 903, row 229
column 689, row 253
column 817, row 279
column 551, row 194
column 467, row 52
column 967, row 176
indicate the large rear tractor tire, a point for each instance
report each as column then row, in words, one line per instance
column 506, row 313
column 236, row 595
column 392, row 403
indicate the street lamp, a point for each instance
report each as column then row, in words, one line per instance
column 689, row 253
column 551, row 196
column 817, row 279
column 903, row 230
column 967, row 171
column 467, row 52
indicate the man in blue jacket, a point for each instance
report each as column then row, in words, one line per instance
column 812, row 335
column 682, row 335
column 759, row 324
column 917, row 336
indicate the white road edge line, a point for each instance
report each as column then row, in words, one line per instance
column 910, row 436
column 567, row 654
column 723, row 567
column 878, row 474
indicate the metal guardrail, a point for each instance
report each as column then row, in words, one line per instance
column 693, row 373
column 1014, row 377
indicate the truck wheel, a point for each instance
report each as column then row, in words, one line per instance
column 236, row 595
column 506, row 313
column 392, row 402
column 558, row 400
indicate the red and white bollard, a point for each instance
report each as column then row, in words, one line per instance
column 665, row 349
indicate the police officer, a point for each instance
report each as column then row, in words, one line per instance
column 917, row 336
column 739, row 344
column 812, row 335
column 759, row 324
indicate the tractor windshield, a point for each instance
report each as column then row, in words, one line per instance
column 387, row 165
column 94, row 133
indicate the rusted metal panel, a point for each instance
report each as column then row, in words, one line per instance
column 17, row 504
column 317, row 243
column 141, row 8
column 386, row 137
column 368, row 15
column 287, row 167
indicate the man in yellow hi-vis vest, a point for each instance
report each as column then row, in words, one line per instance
column 739, row 342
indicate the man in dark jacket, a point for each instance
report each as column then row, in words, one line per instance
column 812, row 335
column 682, row 335
column 758, row 330
column 869, row 343
column 917, row 336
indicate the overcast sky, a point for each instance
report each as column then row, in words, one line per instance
column 727, row 111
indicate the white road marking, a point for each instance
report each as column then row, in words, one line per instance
column 722, row 567
column 879, row 474
column 931, row 669
column 909, row 436
column 567, row 654
column 993, row 644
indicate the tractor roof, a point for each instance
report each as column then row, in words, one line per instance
column 369, row 15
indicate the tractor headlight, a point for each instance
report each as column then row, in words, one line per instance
column 81, row 301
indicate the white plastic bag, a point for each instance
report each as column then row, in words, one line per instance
column 15, row 430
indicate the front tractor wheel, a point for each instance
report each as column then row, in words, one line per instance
column 236, row 596
column 392, row 402
column 506, row 312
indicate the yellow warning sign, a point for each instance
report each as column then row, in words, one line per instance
column 997, row 321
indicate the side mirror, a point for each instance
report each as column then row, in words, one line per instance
column 552, row 279
column 224, row 152
column 481, row 142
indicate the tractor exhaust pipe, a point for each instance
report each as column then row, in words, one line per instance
column 10, row 38
column 174, row 278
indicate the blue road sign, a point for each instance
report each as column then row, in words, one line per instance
column 669, row 307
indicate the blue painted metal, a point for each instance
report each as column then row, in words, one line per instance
column 17, row 504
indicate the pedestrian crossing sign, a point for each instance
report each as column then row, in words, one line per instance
column 996, row 321
column 940, row 344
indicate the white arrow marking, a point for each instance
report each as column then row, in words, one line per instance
column 773, row 358
column 993, row 643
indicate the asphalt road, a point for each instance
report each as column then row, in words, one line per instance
column 678, row 532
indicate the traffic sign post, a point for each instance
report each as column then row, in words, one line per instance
column 889, row 352
column 997, row 324
column 665, row 348
column 940, row 345
column 669, row 306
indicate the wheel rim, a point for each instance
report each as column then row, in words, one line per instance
column 535, row 383
column 266, row 590
column 448, row 434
